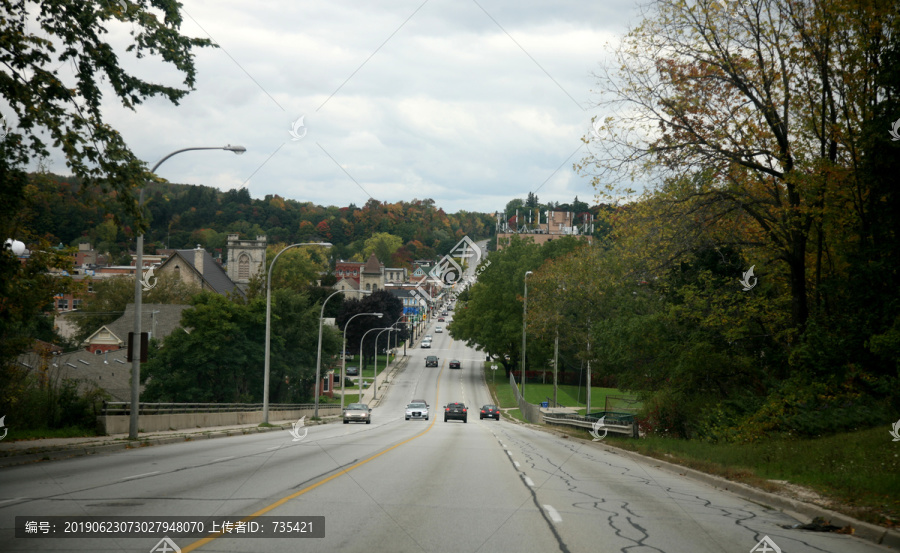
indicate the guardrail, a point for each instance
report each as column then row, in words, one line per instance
column 613, row 422
column 124, row 407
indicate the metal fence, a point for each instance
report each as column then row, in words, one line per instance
column 530, row 411
column 618, row 423
column 124, row 407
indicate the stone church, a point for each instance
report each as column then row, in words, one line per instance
column 246, row 258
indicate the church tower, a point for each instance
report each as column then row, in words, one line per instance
column 246, row 258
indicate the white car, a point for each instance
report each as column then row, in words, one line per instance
column 426, row 344
column 439, row 329
column 417, row 411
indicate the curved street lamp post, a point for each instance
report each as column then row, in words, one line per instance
column 344, row 355
column 134, row 421
column 269, row 324
column 361, row 341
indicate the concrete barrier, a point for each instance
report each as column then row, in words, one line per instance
column 118, row 424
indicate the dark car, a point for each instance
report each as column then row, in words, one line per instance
column 352, row 371
column 454, row 364
column 431, row 361
column 490, row 411
column 456, row 411
column 440, row 319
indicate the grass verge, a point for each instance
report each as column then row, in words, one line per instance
column 855, row 473
column 39, row 433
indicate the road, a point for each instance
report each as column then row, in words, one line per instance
column 397, row 485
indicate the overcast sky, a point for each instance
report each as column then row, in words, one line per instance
column 470, row 103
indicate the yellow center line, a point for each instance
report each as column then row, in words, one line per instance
column 203, row 541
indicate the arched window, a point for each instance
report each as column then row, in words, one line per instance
column 243, row 266
column 368, row 286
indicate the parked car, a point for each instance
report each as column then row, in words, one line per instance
column 431, row 361
column 352, row 371
column 457, row 411
column 357, row 412
column 417, row 411
column 454, row 364
column 490, row 411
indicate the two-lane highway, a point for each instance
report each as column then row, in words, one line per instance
column 397, row 485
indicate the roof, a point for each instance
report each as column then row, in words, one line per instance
column 109, row 371
column 166, row 320
column 345, row 283
column 213, row 273
column 372, row 266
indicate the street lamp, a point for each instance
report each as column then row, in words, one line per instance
column 388, row 362
column 319, row 352
column 138, row 270
column 344, row 355
column 269, row 323
column 361, row 341
column 524, row 313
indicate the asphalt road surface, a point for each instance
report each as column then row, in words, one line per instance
column 396, row 486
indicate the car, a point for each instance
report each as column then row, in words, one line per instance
column 352, row 371
column 457, row 411
column 439, row 329
column 417, row 410
column 420, row 401
column 426, row 344
column 490, row 411
column 427, row 338
column 440, row 319
column 357, row 412
column 454, row 364
column 431, row 361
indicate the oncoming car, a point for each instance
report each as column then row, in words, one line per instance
column 357, row 412
column 417, row 411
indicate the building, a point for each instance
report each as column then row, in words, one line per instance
column 348, row 269
column 159, row 320
column 246, row 259
column 108, row 371
column 556, row 225
column 372, row 275
column 197, row 267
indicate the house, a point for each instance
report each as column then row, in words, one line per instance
column 159, row 320
column 348, row 269
column 198, row 267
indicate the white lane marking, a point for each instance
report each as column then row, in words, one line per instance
column 551, row 512
column 271, row 448
column 13, row 499
column 222, row 459
column 529, row 481
column 516, row 463
column 508, row 452
column 140, row 475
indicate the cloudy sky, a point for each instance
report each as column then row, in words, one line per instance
column 470, row 103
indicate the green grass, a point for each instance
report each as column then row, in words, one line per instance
column 38, row 433
column 569, row 395
column 369, row 371
column 859, row 471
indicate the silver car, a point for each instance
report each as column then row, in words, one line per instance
column 417, row 411
column 357, row 412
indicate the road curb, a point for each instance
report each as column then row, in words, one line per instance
column 54, row 453
column 387, row 379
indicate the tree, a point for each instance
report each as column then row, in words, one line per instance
column 491, row 320
column 765, row 96
column 43, row 41
column 297, row 268
column 383, row 245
